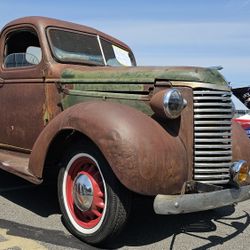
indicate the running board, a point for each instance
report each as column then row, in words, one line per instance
column 18, row 164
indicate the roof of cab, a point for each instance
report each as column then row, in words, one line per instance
column 44, row 22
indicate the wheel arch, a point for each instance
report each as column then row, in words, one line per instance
column 144, row 157
column 59, row 144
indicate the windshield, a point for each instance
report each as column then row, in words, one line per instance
column 76, row 47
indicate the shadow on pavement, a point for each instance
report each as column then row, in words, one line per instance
column 40, row 199
column 144, row 227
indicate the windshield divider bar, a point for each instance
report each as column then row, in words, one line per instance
column 99, row 41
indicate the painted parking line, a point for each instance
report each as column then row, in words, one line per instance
column 17, row 243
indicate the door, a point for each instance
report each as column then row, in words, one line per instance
column 22, row 91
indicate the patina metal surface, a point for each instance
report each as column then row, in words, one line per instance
column 142, row 160
column 145, row 75
column 182, row 126
column 204, row 85
column 17, row 163
column 32, row 106
column 240, row 143
column 132, row 86
column 52, row 105
column 21, row 113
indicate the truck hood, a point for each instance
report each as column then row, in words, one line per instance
column 141, row 75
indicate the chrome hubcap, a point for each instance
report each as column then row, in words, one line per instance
column 83, row 192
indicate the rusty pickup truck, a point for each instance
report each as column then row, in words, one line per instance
column 74, row 106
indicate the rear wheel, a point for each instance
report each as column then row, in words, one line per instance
column 94, row 204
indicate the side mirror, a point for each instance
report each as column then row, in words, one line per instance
column 33, row 55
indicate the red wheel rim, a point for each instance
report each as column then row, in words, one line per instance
column 86, row 166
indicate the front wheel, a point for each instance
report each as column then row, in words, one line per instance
column 94, row 204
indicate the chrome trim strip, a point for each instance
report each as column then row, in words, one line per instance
column 215, row 104
column 217, row 110
column 227, row 152
column 212, row 92
column 213, row 170
column 226, row 128
column 213, row 140
column 212, row 134
column 212, row 159
column 209, row 165
column 213, row 146
column 200, row 116
column 215, row 182
column 212, row 122
column 225, row 98
column 212, row 176
column 100, row 45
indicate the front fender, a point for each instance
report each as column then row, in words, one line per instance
column 144, row 157
column 240, row 143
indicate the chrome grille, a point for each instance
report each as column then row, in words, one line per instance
column 212, row 136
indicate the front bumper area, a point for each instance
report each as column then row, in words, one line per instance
column 188, row 203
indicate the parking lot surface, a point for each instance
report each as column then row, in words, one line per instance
column 30, row 219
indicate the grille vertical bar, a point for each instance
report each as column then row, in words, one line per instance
column 212, row 136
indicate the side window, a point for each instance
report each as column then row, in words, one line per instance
column 22, row 49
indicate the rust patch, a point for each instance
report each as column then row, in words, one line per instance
column 182, row 126
column 133, row 144
column 240, row 143
column 51, row 107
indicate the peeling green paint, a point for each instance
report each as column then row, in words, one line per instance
column 131, row 85
column 143, row 75
column 70, row 100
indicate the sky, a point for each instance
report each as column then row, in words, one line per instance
column 161, row 32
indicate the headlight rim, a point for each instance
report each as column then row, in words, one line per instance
column 166, row 101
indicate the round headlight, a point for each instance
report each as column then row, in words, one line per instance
column 173, row 103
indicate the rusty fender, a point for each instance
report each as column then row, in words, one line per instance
column 240, row 143
column 144, row 157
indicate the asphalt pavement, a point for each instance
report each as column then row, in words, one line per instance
column 30, row 219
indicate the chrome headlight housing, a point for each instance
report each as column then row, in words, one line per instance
column 173, row 103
